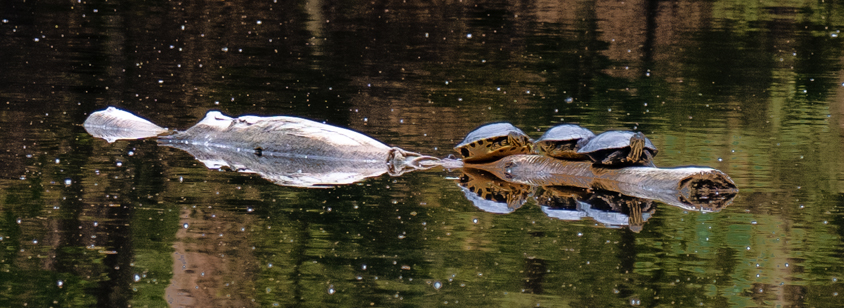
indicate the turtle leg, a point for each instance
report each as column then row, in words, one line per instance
column 610, row 158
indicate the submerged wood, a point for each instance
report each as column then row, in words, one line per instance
column 692, row 188
column 114, row 124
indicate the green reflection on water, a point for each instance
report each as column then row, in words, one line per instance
column 749, row 88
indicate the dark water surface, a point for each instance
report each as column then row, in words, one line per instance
column 751, row 88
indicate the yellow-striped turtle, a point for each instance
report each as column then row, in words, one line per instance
column 563, row 141
column 620, row 148
column 493, row 141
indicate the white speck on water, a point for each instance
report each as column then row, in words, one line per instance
column 438, row 285
column 753, row 222
column 569, row 100
column 119, row 164
column 183, row 27
column 269, row 265
column 58, row 160
column 720, row 159
column 36, row 39
column 35, row 241
column 161, row 81
column 331, row 290
column 475, row 220
column 579, row 233
column 426, row 34
column 363, row 267
column 446, row 82
column 58, row 283
column 258, row 22
column 5, row 21
column 185, row 225
column 225, row 49
column 67, row 182
column 137, row 277
column 181, row 179
column 459, row 99
column 748, row 247
column 96, row 11
column 249, row 210
column 469, row 35
column 96, row 224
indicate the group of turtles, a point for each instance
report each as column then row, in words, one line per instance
column 615, row 148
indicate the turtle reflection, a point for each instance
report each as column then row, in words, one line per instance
column 492, row 194
column 609, row 208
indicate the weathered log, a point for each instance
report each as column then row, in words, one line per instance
column 692, row 188
column 114, row 124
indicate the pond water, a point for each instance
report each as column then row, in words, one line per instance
column 753, row 89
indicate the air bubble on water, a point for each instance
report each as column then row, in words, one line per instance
column 96, row 224
column 527, row 92
column 119, row 164
column 181, row 179
column 35, row 241
column 185, row 225
column 225, row 49
column 363, row 267
column 720, row 159
column 59, row 283
column 67, row 182
column 5, row 21
column 249, row 210
column 426, row 34
column 137, row 277
column 438, row 285
column 161, row 81
column 446, row 82
column 748, row 247
column 609, row 109
column 753, row 222
column 131, row 153
column 18, row 221
column 216, row 102
column 459, row 99
column 58, row 160
column 36, row 39
column 269, row 265
column 475, row 220
column 579, row 234
column 569, row 99
column 331, row 290
column 258, row 22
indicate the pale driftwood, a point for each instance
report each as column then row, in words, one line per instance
column 114, row 124
column 692, row 188
column 286, row 150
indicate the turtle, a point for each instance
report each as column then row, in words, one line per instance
column 619, row 149
column 493, row 141
column 563, row 141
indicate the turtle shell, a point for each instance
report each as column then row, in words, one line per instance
column 563, row 141
column 493, row 141
column 620, row 148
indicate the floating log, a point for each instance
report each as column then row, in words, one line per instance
column 692, row 188
column 286, row 150
column 114, row 124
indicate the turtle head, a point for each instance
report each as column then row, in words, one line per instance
column 637, row 147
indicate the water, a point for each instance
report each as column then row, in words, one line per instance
column 748, row 88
